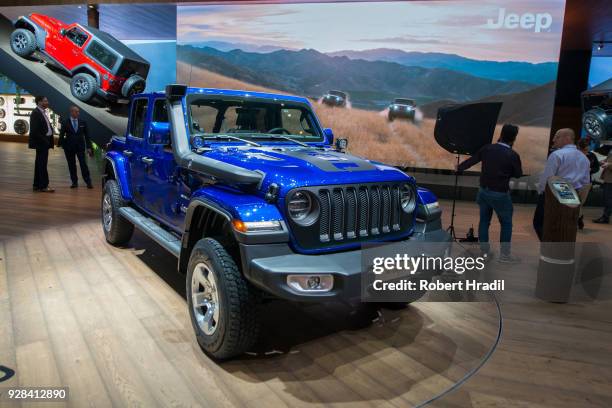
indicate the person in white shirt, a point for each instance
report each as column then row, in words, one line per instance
column 565, row 161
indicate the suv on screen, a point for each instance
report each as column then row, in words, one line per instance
column 402, row 108
column 99, row 64
column 335, row 98
column 246, row 190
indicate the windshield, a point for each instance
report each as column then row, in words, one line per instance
column 337, row 93
column 405, row 102
column 252, row 119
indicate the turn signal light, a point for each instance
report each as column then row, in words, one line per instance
column 256, row 226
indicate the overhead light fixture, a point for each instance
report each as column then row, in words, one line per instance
column 600, row 46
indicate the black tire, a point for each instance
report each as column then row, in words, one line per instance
column 119, row 230
column 83, row 86
column 390, row 118
column 23, row 42
column 237, row 327
column 597, row 123
column 133, row 85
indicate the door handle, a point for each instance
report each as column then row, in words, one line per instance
column 128, row 153
column 147, row 160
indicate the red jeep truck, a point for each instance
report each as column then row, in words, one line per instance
column 98, row 63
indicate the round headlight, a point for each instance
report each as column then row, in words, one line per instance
column 407, row 198
column 303, row 208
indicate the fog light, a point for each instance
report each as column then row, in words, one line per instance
column 311, row 283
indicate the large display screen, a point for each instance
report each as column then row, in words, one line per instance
column 601, row 64
column 377, row 72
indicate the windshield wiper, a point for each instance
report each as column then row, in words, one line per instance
column 219, row 137
column 282, row 137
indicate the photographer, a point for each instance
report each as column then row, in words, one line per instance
column 499, row 164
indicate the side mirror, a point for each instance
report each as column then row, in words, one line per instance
column 63, row 32
column 329, row 136
column 160, row 133
column 341, row 145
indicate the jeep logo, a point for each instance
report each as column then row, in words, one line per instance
column 528, row 21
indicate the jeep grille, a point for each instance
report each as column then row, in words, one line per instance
column 354, row 213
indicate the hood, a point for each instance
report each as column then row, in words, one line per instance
column 294, row 166
column 47, row 22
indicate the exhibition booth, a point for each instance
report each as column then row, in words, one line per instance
column 289, row 203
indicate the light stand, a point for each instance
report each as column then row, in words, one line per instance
column 451, row 227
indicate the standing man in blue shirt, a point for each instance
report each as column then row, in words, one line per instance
column 499, row 164
column 565, row 161
column 74, row 139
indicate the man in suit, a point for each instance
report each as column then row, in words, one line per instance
column 74, row 139
column 41, row 139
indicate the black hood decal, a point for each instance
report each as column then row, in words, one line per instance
column 330, row 161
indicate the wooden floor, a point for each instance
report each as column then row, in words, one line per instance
column 112, row 324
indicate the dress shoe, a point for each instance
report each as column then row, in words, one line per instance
column 581, row 222
column 602, row 220
column 74, row 185
column 90, row 186
column 47, row 190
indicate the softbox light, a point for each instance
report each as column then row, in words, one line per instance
column 465, row 128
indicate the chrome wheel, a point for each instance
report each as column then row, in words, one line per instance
column 20, row 41
column 81, row 87
column 205, row 298
column 107, row 212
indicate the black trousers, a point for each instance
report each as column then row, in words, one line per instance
column 607, row 192
column 71, row 156
column 538, row 217
column 41, row 177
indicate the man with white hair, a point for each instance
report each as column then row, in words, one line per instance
column 565, row 161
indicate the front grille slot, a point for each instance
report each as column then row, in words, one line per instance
column 324, row 220
column 375, row 213
column 338, row 214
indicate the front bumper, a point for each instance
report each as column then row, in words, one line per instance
column 267, row 267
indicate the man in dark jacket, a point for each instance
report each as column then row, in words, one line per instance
column 74, row 139
column 499, row 164
column 41, row 139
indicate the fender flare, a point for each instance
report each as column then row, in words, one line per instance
column 186, row 241
column 89, row 69
column 39, row 32
column 120, row 173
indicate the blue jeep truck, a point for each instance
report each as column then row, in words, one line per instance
column 249, row 193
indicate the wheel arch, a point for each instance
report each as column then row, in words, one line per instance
column 115, row 168
column 39, row 32
column 86, row 69
column 204, row 219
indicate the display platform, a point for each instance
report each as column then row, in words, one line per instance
column 113, row 326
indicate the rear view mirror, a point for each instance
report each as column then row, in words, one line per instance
column 329, row 136
column 160, row 133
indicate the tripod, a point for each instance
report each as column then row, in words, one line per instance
column 451, row 227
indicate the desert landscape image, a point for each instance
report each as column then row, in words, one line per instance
column 288, row 50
